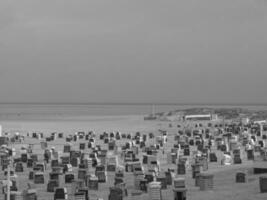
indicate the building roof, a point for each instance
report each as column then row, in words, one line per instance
column 196, row 116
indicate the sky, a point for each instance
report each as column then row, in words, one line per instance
column 142, row 51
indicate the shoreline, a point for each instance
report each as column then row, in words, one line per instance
column 65, row 117
column 99, row 124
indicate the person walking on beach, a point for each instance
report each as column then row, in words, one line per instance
column 46, row 157
column 210, row 144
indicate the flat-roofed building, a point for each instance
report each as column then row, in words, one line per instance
column 205, row 117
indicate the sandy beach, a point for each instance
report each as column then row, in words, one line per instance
column 70, row 125
column 224, row 176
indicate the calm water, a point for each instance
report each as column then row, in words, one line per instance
column 7, row 110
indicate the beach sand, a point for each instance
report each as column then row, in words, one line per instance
column 70, row 125
column 224, row 176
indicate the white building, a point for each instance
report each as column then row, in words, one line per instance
column 206, row 117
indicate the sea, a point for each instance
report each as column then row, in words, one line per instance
column 50, row 111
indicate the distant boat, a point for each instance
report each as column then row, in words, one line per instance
column 152, row 116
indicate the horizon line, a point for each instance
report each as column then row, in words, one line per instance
column 134, row 103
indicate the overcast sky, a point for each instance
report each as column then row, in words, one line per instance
column 180, row 51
